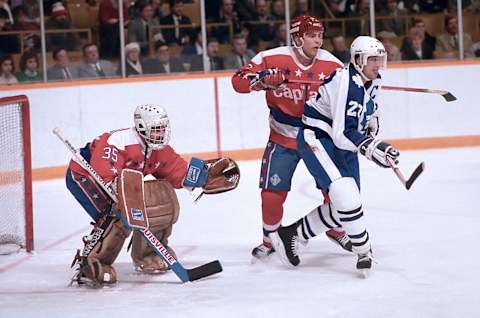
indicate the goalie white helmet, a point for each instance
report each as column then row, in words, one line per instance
column 153, row 125
column 364, row 47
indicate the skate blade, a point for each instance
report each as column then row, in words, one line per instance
column 280, row 251
column 365, row 272
column 150, row 271
column 261, row 260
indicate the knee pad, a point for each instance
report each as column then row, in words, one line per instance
column 344, row 194
column 162, row 210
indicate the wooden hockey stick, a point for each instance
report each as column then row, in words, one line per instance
column 445, row 94
column 406, row 182
column 185, row 275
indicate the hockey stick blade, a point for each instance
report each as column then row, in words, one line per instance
column 204, row 270
column 416, row 173
column 449, row 97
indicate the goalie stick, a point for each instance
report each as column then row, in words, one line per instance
column 185, row 275
column 415, row 174
column 449, row 97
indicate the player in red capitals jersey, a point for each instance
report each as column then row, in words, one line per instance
column 270, row 71
column 142, row 148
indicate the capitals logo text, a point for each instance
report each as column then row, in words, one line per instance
column 296, row 94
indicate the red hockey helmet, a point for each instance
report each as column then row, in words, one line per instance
column 303, row 24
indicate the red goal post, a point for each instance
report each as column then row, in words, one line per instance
column 16, row 217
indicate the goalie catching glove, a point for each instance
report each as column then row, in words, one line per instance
column 377, row 150
column 269, row 79
column 213, row 175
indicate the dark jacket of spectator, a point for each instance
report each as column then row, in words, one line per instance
column 154, row 66
column 216, row 63
column 176, row 34
column 109, row 27
column 59, row 20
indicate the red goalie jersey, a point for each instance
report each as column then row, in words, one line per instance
column 114, row 151
column 286, row 103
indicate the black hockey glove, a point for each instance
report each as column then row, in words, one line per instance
column 377, row 150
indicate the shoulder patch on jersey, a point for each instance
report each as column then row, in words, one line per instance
column 327, row 56
column 122, row 138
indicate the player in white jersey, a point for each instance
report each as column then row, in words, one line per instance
column 337, row 123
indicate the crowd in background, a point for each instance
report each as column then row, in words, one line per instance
column 160, row 36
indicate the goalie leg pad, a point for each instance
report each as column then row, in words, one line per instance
column 162, row 210
column 101, row 249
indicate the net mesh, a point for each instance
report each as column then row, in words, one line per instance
column 12, row 181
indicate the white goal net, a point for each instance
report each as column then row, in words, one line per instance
column 16, row 227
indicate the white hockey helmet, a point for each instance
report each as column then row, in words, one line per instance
column 152, row 124
column 362, row 48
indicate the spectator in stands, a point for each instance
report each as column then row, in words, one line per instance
column 280, row 38
column 361, row 24
column 393, row 52
column 278, row 10
column 340, row 50
column 473, row 7
column 429, row 39
column 432, row 6
column 59, row 20
column 92, row 66
column 448, row 41
column 214, row 62
column 162, row 62
column 4, row 5
column 109, row 30
column 61, row 70
column 7, row 70
column 141, row 29
column 248, row 32
column 191, row 50
column 177, row 34
column 22, row 23
column 245, row 9
column 33, row 10
column 157, row 10
column 302, row 8
column 240, row 55
column 396, row 21
column 29, row 67
column 9, row 44
column 415, row 48
column 227, row 15
column 337, row 7
column 133, row 63
column 263, row 25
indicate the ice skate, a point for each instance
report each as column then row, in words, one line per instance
column 285, row 241
column 341, row 238
column 262, row 253
column 364, row 264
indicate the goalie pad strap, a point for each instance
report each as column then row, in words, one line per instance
column 106, row 240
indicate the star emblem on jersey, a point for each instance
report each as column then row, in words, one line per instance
column 298, row 73
column 114, row 170
column 275, row 179
column 157, row 164
column 321, row 76
column 357, row 80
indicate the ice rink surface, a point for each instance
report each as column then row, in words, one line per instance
column 424, row 241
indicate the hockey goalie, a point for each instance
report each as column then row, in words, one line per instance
column 143, row 148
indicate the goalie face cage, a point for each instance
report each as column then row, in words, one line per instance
column 16, row 221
